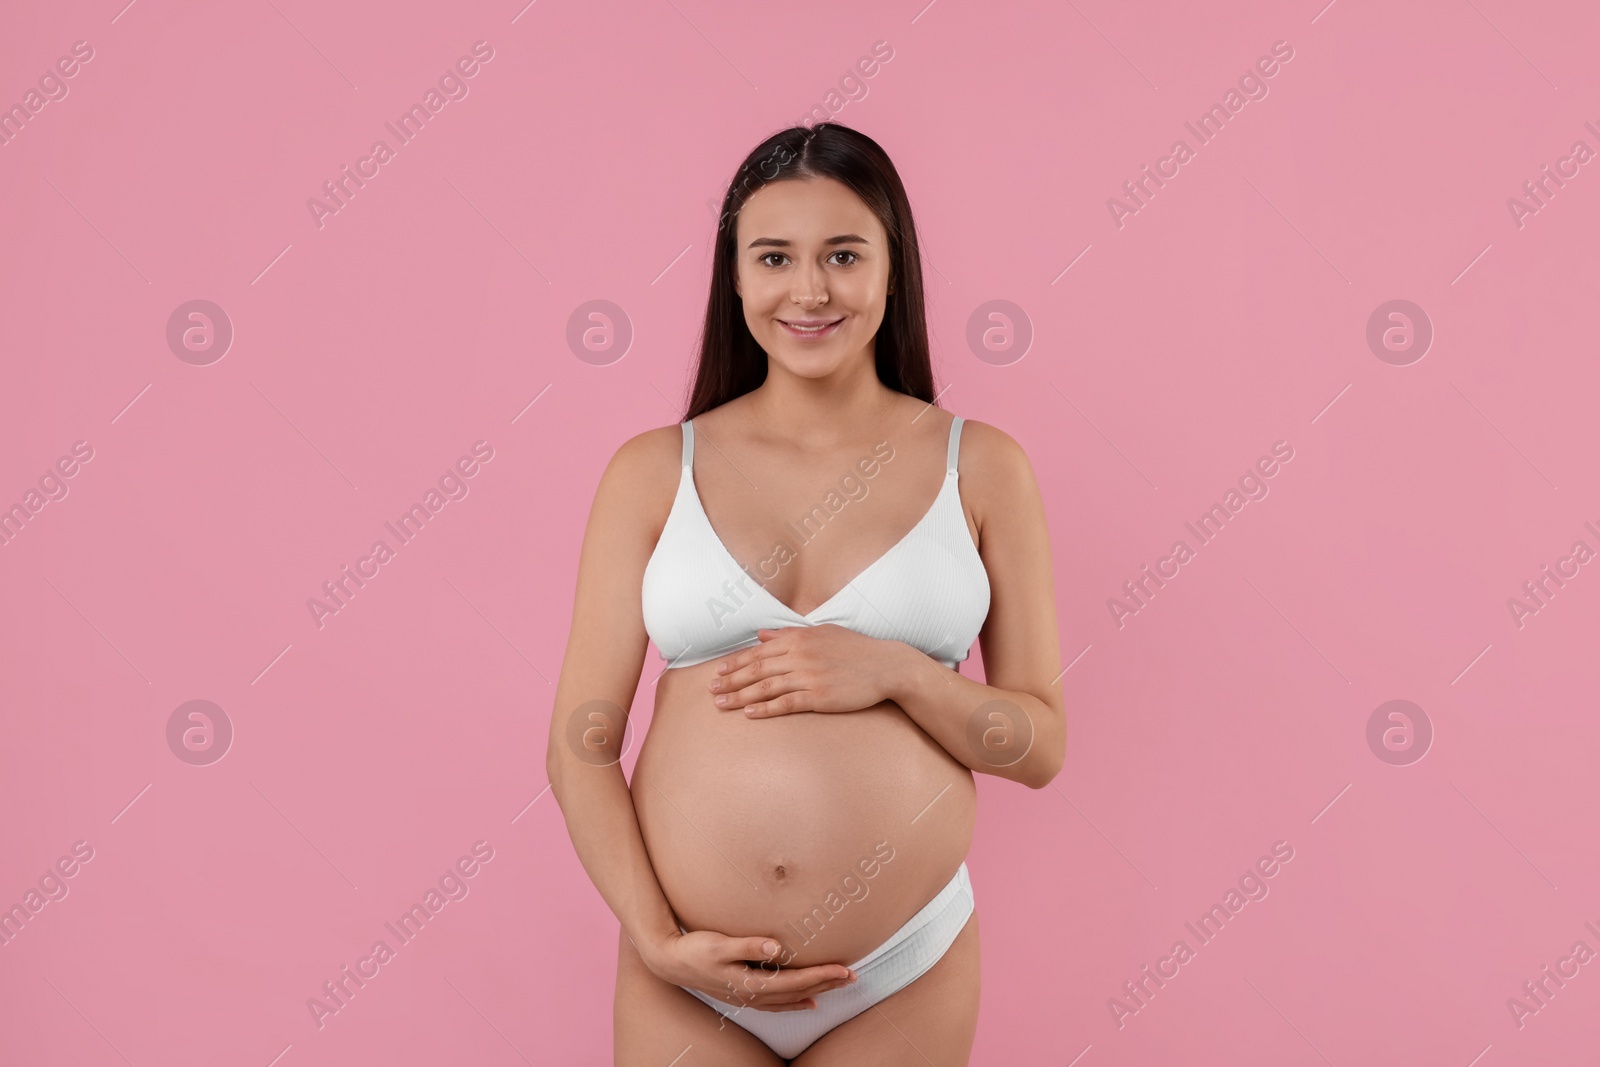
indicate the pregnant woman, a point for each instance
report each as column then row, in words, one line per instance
column 813, row 551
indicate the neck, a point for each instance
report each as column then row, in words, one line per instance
column 822, row 412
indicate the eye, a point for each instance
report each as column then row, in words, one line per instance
column 854, row 258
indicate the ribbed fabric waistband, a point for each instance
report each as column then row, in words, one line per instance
column 959, row 885
column 893, row 965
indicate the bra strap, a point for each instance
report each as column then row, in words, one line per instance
column 955, row 445
column 688, row 442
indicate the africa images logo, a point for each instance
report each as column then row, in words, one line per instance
column 452, row 86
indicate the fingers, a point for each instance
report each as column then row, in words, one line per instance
column 729, row 690
column 781, row 705
column 767, row 1000
column 819, row 989
column 763, row 989
column 754, row 948
column 771, row 987
column 745, row 675
column 749, row 656
column 739, row 659
column 799, row 979
column 767, row 689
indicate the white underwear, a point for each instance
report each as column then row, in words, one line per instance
column 881, row 973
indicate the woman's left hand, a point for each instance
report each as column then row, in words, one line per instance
column 807, row 668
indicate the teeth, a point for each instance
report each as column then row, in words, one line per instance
column 808, row 329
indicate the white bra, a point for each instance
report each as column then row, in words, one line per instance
column 931, row 590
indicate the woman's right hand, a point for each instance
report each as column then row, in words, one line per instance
column 716, row 965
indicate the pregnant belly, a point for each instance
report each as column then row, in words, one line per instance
column 825, row 832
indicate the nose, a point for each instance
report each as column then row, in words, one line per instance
column 810, row 287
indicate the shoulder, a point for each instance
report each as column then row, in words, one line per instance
column 641, row 478
column 993, row 459
column 646, row 454
column 998, row 485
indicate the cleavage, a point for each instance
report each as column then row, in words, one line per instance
column 808, row 544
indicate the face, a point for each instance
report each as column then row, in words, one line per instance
column 809, row 251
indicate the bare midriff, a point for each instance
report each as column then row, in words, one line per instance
column 825, row 831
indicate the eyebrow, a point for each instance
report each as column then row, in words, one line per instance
column 779, row 242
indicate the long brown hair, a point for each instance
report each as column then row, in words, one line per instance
column 731, row 363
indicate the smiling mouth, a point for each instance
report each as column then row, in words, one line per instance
column 818, row 330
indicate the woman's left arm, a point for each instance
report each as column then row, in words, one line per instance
column 1015, row 726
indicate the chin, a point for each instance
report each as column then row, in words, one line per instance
column 809, row 364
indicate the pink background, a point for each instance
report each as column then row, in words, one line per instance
column 369, row 354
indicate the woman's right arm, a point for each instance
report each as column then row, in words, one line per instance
column 599, row 676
